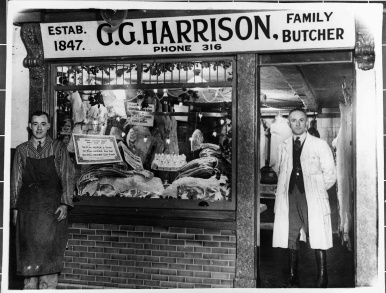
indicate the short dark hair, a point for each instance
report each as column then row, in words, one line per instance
column 39, row 113
column 297, row 110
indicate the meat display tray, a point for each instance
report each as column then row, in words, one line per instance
column 169, row 169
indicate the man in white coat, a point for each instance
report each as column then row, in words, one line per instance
column 306, row 170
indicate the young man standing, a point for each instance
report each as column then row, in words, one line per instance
column 306, row 170
column 41, row 191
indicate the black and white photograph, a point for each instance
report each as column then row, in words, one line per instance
column 200, row 146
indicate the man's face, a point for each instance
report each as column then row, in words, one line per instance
column 39, row 126
column 298, row 123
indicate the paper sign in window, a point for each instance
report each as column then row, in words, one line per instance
column 96, row 149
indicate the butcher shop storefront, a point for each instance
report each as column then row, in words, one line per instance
column 172, row 119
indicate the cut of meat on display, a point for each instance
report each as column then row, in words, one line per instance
column 149, row 138
column 203, row 178
column 144, row 149
column 197, row 140
column 206, row 161
column 95, row 172
column 210, row 153
column 211, row 189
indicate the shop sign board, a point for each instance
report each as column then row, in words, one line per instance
column 263, row 31
column 96, row 149
column 138, row 116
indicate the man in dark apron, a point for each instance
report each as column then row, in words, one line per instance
column 41, row 192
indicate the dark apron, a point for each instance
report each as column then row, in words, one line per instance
column 41, row 240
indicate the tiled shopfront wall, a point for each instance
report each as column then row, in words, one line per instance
column 121, row 256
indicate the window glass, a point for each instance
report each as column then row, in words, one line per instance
column 180, row 137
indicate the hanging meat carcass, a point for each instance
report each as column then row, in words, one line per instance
column 78, row 108
column 275, row 134
column 280, row 131
column 114, row 101
column 138, row 145
column 171, row 146
column 165, row 132
column 344, row 161
column 263, row 142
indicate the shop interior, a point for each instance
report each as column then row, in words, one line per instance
column 324, row 87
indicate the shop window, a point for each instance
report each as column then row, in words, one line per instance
column 175, row 116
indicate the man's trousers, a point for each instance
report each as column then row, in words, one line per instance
column 298, row 217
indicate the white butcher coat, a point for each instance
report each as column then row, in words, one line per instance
column 319, row 175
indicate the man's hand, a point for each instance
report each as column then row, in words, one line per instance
column 62, row 210
column 14, row 217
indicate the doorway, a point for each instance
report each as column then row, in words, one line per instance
column 322, row 85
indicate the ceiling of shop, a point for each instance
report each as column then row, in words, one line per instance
column 312, row 84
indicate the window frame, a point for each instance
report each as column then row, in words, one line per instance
column 161, row 204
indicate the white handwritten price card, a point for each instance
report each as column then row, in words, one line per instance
column 96, row 149
column 138, row 116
